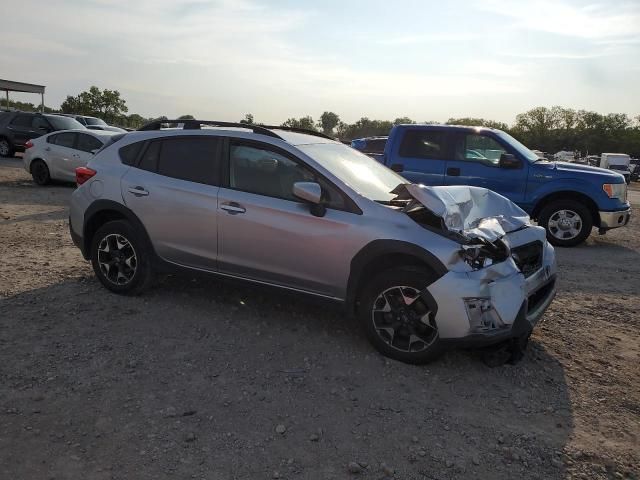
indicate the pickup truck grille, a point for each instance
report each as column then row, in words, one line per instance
column 528, row 257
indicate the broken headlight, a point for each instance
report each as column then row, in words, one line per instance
column 481, row 255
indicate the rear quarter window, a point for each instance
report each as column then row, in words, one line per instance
column 129, row 153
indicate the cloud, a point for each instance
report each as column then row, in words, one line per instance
column 594, row 21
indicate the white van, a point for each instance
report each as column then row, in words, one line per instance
column 618, row 162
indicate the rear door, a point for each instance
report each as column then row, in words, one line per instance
column 21, row 129
column 422, row 154
column 60, row 151
column 476, row 162
column 173, row 189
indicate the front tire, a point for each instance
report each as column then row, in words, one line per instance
column 396, row 318
column 40, row 172
column 121, row 258
column 568, row 223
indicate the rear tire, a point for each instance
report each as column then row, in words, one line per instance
column 568, row 223
column 40, row 172
column 6, row 149
column 121, row 258
column 396, row 319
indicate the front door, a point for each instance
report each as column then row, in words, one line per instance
column 268, row 235
column 173, row 190
column 422, row 154
column 476, row 162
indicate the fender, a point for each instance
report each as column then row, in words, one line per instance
column 568, row 185
column 382, row 248
column 103, row 205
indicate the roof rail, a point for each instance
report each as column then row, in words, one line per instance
column 298, row 130
column 189, row 124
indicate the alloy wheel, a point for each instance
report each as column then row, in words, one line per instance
column 403, row 320
column 117, row 259
column 4, row 148
column 565, row 224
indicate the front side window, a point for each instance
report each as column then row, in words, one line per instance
column 40, row 123
column 66, row 139
column 478, row 148
column 88, row 143
column 264, row 171
column 427, row 144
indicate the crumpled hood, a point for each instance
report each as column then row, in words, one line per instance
column 474, row 212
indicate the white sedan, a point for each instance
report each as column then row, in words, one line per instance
column 57, row 155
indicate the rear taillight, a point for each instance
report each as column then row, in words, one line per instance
column 83, row 174
column 29, row 144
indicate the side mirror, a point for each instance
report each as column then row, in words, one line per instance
column 310, row 192
column 44, row 129
column 94, row 151
column 508, row 160
column 397, row 167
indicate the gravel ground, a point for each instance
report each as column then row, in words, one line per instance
column 203, row 379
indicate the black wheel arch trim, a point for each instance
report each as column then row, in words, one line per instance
column 99, row 206
column 380, row 248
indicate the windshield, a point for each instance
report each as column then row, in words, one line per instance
column 64, row 123
column 618, row 167
column 522, row 150
column 94, row 121
column 362, row 173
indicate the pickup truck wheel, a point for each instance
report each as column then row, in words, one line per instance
column 568, row 223
column 396, row 319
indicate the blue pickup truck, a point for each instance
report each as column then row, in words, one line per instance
column 567, row 199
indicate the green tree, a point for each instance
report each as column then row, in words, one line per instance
column 186, row 117
column 477, row 122
column 305, row 123
column 403, row 121
column 328, row 121
column 248, row 119
column 105, row 104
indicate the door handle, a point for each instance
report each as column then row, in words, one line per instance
column 138, row 191
column 233, row 208
column 453, row 171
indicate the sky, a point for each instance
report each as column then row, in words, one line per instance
column 428, row 60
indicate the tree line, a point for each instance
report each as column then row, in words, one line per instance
column 547, row 129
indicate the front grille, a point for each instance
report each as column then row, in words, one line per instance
column 539, row 296
column 528, row 257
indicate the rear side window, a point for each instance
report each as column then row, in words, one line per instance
column 428, row 144
column 22, row 121
column 88, row 143
column 191, row 159
column 375, row 146
column 66, row 139
column 129, row 154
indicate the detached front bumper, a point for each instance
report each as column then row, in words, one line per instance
column 490, row 305
column 609, row 220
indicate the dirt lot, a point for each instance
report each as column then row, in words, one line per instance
column 202, row 379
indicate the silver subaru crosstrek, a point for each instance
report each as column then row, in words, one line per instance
column 422, row 268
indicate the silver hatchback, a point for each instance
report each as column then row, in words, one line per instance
column 423, row 268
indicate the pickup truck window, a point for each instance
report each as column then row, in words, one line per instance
column 478, row 148
column 428, row 144
column 524, row 151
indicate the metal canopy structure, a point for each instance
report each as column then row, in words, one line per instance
column 12, row 86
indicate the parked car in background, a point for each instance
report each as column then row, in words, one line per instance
column 422, row 268
column 372, row 146
column 95, row 123
column 619, row 162
column 564, row 156
column 567, row 199
column 57, row 155
column 634, row 166
column 16, row 128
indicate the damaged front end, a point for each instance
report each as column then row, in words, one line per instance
column 502, row 277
